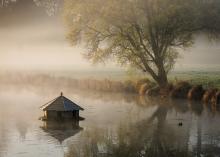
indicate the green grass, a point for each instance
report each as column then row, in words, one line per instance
column 206, row 78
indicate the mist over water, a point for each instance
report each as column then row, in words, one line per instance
column 37, row 63
column 138, row 121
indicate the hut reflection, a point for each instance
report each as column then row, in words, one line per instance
column 61, row 130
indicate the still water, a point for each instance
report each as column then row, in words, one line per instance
column 116, row 125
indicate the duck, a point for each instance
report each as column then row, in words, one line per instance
column 180, row 124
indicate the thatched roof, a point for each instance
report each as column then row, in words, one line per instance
column 61, row 103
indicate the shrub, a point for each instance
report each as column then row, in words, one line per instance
column 208, row 95
column 180, row 90
column 141, row 82
column 216, row 98
column 143, row 88
column 196, row 93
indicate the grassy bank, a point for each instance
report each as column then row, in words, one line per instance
column 207, row 79
column 110, row 81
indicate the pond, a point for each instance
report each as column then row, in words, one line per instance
column 116, row 125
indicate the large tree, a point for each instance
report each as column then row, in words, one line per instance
column 145, row 34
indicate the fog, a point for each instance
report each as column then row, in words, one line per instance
column 38, row 47
column 31, row 39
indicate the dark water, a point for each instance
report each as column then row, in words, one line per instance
column 115, row 125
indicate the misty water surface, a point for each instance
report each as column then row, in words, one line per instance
column 115, row 125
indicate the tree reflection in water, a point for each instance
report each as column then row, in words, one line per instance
column 156, row 136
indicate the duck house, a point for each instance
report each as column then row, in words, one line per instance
column 61, row 108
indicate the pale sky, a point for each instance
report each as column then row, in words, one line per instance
column 38, row 47
column 39, row 43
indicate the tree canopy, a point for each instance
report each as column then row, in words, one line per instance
column 146, row 34
column 52, row 7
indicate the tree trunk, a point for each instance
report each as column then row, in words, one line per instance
column 162, row 81
column 162, row 76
